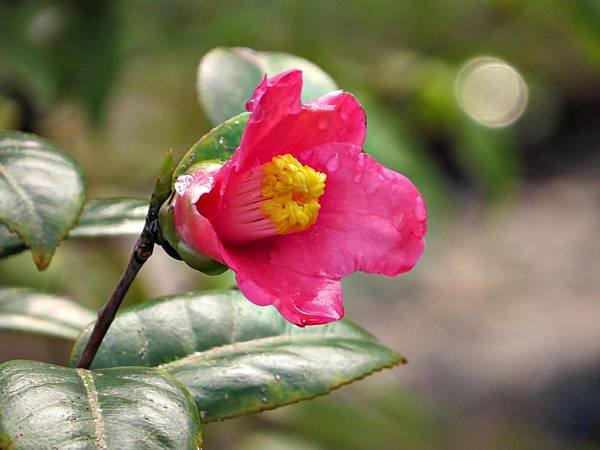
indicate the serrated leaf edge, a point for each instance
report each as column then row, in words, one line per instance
column 398, row 360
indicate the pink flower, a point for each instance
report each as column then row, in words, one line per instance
column 299, row 205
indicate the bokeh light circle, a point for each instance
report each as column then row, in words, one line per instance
column 491, row 92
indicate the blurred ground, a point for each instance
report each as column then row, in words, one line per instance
column 500, row 319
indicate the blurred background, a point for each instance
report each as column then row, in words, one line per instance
column 492, row 107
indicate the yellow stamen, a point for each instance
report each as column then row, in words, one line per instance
column 292, row 194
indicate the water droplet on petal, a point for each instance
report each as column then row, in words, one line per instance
column 398, row 220
column 183, row 183
column 257, row 115
column 372, row 186
column 334, row 163
column 389, row 174
column 361, row 160
column 306, row 154
column 420, row 211
column 322, row 123
column 357, row 177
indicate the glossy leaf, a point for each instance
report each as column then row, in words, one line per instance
column 237, row 358
column 28, row 311
column 227, row 78
column 41, row 192
column 99, row 218
column 216, row 145
column 111, row 217
column 49, row 407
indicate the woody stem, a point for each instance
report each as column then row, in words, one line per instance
column 142, row 251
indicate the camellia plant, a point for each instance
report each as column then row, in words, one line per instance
column 281, row 194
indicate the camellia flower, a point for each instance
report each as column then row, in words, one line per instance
column 299, row 205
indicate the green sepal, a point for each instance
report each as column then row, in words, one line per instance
column 216, row 145
column 164, row 181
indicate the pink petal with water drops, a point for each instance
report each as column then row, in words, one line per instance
column 279, row 123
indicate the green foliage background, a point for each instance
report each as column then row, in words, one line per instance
column 113, row 82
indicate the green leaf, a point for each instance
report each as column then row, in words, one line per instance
column 99, row 218
column 111, row 217
column 227, row 78
column 216, row 145
column 237, row 358
column 49, row 407
column 28, row 311
column 41, row 192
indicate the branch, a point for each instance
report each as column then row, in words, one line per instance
column 141, row 253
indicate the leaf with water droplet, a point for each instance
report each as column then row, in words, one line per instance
column 51, row 407
column 28, row 311
column 41, row 192
column 248, row 353
column 216, row 145
column 104, row 217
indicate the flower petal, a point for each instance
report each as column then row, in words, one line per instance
column 279, row 123
column 372, row 219
column 301, row 298
column 192, row 227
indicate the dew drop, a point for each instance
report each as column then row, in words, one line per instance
column 202, row 414
column 221, row 140
column 372, row 186
column 398, row 220
column 265, row 400
column 389, row 174
column 183, row 183
column 361, row 160
column 357, row 177
column 322, row 123
column 277, row 377
column 334, row 163
column 306, row 154
column 226, row 396
column 420, row 212
column 257, row 115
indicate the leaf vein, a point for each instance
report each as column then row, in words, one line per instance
column 92, row 395
column 238, row 346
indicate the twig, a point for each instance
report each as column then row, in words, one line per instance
column 141, row 253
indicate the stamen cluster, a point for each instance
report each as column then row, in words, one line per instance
column 292, row 193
